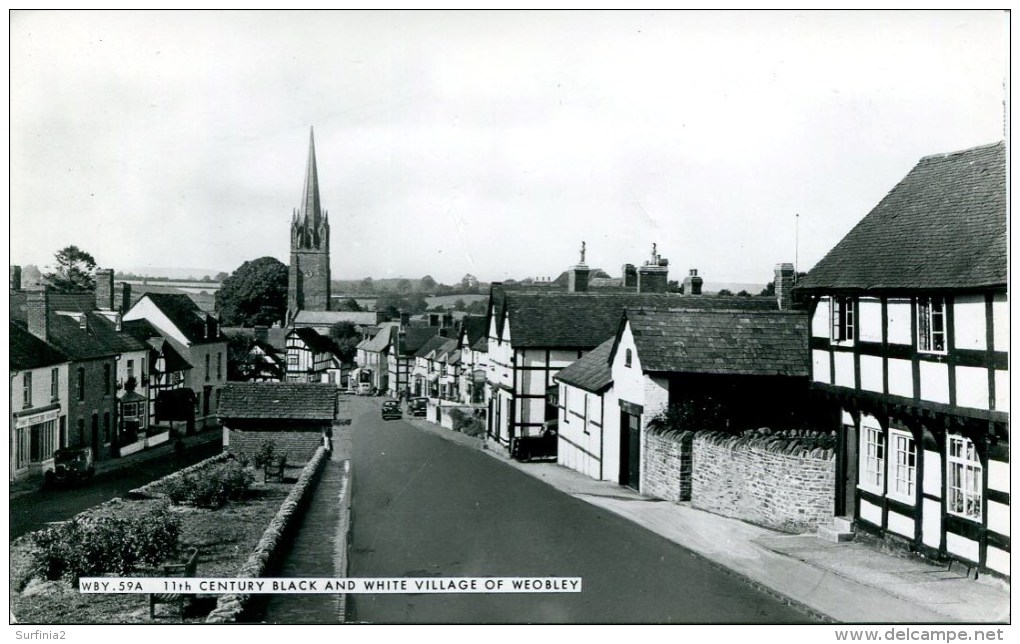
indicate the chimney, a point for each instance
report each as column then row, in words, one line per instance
column 448, row 319
column 124, row 296
column 15, row 278
column 786, row 277
column 261, row 333
column 433, row 319
column 629, row 273
column 653, row 276
column 104, row 289
column 577, row 276
column 83, row 322
column 405, row 318
column 38, row 318
column 692, row 283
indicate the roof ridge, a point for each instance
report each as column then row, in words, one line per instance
column 943, row 155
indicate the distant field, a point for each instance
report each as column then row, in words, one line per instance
column 448, row 301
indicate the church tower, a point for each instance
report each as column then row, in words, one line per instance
column 308, row 286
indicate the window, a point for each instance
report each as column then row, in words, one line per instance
column 931, row 325
column 177, row 378
column 35, row 443
column 81, row 431
column 106, row 427
column 207, row 366
column 54, row 383
column 872, row 458
column 842, row 320
column 106, row 379
column 130, row 368
column 219, row 366
column 292, row 359
column 963, row 468
column 141, row 371
column 627, row 358
column 27, row 390
column 903, row 466
column 81, row 383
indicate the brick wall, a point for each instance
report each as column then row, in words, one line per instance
column 769, row 479
column 298, row 446
column 667, row 471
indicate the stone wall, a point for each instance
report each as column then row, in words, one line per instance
column 772, row 479
column 298, row 446
column 667, row 460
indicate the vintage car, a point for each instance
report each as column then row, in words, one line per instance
column 526, row 448
column 391, row 410
column 70, row 466
column 418, row 406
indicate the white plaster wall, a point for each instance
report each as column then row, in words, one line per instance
column 935, row 381
column 901, row 377
column 628, row 381
column 871, row 513
column 820, row 368
column 820, row 320
column 844, row 368
column 969, row 322
column 1000, row 322
column 1001, row 390
column 931, row 523
column 997, row 560
column 932, row 483
column 871, row 373
column 972, row 387
column 962, row 546
column 998, row 476
column 998, row 517
column 898, row 328
column 900, row 524
column 145, row 309
column 869, row 319
column 611, row 436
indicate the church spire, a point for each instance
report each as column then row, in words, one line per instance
column 311, row 212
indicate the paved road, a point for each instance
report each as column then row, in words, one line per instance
column 30, row 512
column 426, row 507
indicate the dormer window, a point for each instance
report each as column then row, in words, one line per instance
column 931, row 325
column 843, row 320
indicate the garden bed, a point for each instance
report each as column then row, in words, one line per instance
column 225, row 538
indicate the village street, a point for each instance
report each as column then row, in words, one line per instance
column 426, row 507
column 32, row 511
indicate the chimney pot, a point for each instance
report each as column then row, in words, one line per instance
column 786, row 278
column 104, row 289
column 692, row 283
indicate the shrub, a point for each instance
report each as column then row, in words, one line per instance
column 93, row 545
column 211, row 488
column 265, row 454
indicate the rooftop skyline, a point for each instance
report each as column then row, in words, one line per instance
column 485, row 143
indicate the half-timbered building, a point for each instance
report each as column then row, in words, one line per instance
column 910, row 344
column 311, row 357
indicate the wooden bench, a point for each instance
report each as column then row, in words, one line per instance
column 275, row 470
column 186, row 569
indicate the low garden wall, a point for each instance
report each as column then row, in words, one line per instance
column 237, row 607
column 667, row 468
column 341, row 559
column 155, row 489
column 775, row 479
column 299, row 447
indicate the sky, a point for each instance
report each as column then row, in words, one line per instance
column 490, row 143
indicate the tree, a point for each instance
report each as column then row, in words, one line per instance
column 256, row 293
column 460, row 304
column 367, row 285
column 220, row 277
column 344, row 329
column 469, row 281
column 743, row 294
column 725, row 291
column 241, row 362
column 74, row 270
column 403, row 285
column 428, row 284
column 345, row 338
column 350, row 304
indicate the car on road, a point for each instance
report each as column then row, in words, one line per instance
column 526, row 448
column 365, row 389
column 391, row 410
column 418, row 406
column 70, row 466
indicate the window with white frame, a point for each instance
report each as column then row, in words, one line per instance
column 27, row 389
column 872, row 465
column 931, row 325
column 54, row 384
column 902, row 466
column 843, row 320
column 963, row 468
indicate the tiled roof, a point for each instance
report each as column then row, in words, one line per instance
column 29, row 352
column 435, row 343
column 314, row 340
column 481, row 344
column 592, row 371
column 320, row 318
column 174, row 360
column 119, row 341
column 474, row 327
column 942, row 227
column 415, row 337
column 183, row 313
column 278, row 400
column 65, row 333
column 722, row 342
column 381, row 341
column 141, row 329
column 585, row 320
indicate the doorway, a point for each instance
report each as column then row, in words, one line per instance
column 630, row 450
column 846, row 503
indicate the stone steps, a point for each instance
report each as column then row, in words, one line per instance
column 841, row 530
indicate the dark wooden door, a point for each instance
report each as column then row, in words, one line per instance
column 630, row 450
column 849, row 500
column 95, row 436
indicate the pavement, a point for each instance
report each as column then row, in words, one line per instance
column 846, row 582
column 107, row 468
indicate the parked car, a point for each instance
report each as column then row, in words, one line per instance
column 391, row 410
column 365, row 389
column 70, row 466
column 418, row 406
column 526, row 448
